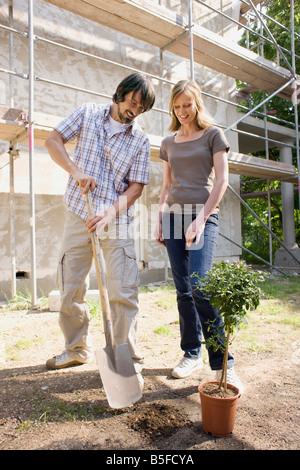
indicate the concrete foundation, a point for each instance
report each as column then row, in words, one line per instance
column 286, row 262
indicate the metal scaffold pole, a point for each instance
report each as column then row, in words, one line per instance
column 191, row 39
column 31, row 154
column 295, row 99
column 11, row 162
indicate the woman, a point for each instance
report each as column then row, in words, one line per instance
column 195, row 178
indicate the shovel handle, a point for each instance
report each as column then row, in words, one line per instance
column 101, row 277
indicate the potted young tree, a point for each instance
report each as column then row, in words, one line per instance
column 232, row 288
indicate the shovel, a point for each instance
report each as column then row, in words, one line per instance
column 115, row 363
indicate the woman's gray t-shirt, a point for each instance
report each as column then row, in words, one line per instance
column 191, row 165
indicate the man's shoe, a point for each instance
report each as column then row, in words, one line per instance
column 187, row 366
column 62, row 361
column 232, row 378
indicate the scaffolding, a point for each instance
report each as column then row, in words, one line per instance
column 151, row 22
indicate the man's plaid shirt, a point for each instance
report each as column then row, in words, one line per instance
column 113, row 161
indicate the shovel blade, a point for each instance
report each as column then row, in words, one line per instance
column 118, row 376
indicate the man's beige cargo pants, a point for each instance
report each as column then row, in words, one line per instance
column 122, row 281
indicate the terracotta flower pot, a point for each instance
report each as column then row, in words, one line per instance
column 218, row 414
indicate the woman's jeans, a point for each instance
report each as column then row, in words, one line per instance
column 188, row 266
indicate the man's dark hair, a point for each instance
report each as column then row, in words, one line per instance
column 136, row 82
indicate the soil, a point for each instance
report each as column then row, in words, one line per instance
column 213, row 390
column 67, row 409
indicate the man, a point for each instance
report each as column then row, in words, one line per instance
column 112, row 159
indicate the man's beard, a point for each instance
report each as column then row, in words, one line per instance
column 123, row 118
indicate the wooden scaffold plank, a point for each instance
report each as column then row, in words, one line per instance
column 239, row 163
column 159, row 26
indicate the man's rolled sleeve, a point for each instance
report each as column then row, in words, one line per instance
column 69, row 128
column 140, row 169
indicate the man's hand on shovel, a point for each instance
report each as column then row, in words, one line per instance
column 99, row 222
column 85, row 182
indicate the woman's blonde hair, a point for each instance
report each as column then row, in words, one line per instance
column 193, row 91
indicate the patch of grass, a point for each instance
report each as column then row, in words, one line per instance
column 70, row 412
column 168, row 301
column 22, row 344
column 163, row 330
column 60, row 410
column 278, row 312
column 25, row 425
column 56, row 410
column 22, row 301
column 281, row 287
column 292, row 320
column 12, row 352
column 250, row 338
column 156, row 287
column 95, row 311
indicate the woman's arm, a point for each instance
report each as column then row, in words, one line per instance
column 196, row 228
column 163, row 196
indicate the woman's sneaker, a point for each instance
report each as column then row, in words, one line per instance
column 232, row 378
column 187, row 366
